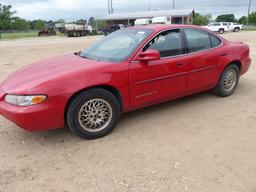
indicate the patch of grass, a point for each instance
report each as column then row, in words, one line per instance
column 23, row 34
column 249, row 29
column 17, row 35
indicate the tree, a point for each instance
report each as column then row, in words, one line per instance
column 20, row 24
column 37, row 24
column 102, row 25
column 252, row 18
column 226, row 18
column 6, row 16
column 60, row 21
column 82, row 21
column 200, row 19
column 91, row 20
column 242, row 20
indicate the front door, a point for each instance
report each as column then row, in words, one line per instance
column 159, row 80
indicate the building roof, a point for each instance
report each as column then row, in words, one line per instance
column 145, row 14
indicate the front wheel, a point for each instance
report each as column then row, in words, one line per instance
column 228, row 81
column 93, row 114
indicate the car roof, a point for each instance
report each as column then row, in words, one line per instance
column 160, row 27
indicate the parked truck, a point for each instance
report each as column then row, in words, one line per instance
column 76, row 29
column 235, row 27
column 219, row 27
column 162, row 20
column 113, row 28
column 222, row 27
column 47, row 30
column 60, row 27
column 143, row 21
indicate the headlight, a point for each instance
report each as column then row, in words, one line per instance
column 25, row 100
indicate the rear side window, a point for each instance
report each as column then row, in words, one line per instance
column 198, row 40
column 215, row 41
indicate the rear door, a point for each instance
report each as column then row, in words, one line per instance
column 202, row 59
column 225, row 26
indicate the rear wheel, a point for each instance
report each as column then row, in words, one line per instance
column 228, row 81
column 93, row 113
column 237, row 29
column 221, row 31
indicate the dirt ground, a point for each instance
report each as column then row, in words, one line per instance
column 198, row 143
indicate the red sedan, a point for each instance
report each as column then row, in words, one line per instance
column 129, row 69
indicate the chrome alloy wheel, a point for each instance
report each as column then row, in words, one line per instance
column 230, row 80
column 95, row 115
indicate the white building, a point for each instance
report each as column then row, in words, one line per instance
column 178, row 16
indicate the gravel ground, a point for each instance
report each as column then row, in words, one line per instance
column 198, row 143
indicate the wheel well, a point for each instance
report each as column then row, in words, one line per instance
column 237, row 63
column 109, row 88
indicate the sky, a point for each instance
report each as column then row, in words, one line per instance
column 71, row 10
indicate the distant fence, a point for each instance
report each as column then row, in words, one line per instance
column 250, row 27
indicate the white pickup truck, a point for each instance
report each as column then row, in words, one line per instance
column 219, row 27
column 222, row 27
column 235, row 27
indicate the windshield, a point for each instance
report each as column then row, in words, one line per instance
column 117, row 46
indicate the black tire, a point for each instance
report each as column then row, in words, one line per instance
column 221, row 31
column 219, row 89
column 72, row 113
column 237, row 29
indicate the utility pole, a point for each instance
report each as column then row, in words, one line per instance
column 249, row 10
column 108, row 7
column 149, row 5
column 173, row 4
column 111, row 6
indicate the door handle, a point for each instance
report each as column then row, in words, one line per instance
column 180, row 64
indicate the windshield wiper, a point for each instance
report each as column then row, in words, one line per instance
column 79, row 54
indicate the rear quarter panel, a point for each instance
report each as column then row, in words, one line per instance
column 236, row 52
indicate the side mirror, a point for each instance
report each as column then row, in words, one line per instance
column 148, row 55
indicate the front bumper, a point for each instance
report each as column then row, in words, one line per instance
column 38, row 117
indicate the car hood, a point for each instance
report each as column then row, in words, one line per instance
column 44, row 71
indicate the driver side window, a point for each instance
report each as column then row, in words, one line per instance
column 168, row 43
